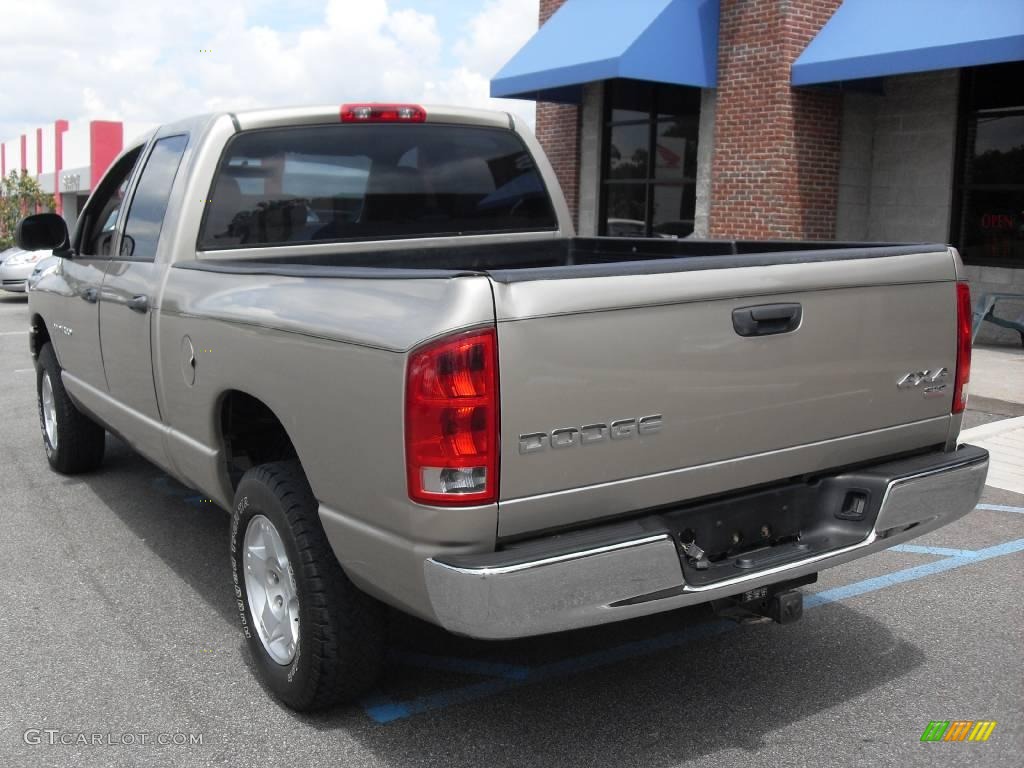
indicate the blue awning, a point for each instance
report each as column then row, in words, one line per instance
column 664, row 41
column 874, row 38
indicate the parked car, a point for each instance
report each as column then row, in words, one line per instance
column 432, row 395
column 17, row 268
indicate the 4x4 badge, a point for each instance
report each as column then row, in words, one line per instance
column 932, row 381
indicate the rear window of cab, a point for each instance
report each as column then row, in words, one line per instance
column 352, row 182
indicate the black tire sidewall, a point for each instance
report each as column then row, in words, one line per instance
column 291, row 681
column 48, row 366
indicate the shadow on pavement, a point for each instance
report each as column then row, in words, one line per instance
column 726, row 691
column 191, row 538
column 729, row 691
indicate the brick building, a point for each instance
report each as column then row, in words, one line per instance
column 810, row 119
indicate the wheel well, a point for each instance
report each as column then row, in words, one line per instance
column 252, row 435
column 38, row 336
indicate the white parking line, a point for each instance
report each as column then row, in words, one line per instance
column 24, row 370
column 12, row 333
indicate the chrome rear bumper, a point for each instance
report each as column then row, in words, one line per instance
column 623, row 571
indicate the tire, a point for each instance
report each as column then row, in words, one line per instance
column 74, row 443
column 336, row 652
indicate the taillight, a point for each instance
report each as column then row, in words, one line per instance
column 382, row 113
column 451, row 420
column 963, row 346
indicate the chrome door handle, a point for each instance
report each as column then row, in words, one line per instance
column 91, row 295
column 139, row 304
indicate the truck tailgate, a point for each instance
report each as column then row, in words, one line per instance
column 586, row 356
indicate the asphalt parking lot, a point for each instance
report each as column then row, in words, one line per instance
column 118, row 620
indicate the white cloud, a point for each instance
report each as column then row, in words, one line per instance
column 141, row 61
column 497, row 32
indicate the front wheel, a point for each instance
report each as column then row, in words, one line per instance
column 74, row 443
column 316, row 639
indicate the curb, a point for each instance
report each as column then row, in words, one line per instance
column 986, row 431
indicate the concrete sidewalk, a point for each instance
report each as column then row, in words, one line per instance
column 997, row 392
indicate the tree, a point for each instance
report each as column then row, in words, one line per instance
column 20, row 195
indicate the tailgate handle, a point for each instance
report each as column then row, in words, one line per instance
column 767, row 319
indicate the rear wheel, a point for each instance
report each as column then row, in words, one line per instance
column 315, row 638
column 74, row 443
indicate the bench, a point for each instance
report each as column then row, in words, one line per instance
column 984, row 310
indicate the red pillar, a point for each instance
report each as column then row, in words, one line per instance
column 3, row 160
column 39, row 151
column 24, row 152
column 106, row 138
column 59, row 127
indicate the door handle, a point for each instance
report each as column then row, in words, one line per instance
column 139, row 304
column 767, row 319
column 91, row 295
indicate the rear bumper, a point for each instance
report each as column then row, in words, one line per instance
column 617, row 572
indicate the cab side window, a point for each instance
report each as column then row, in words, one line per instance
column 149, row 202
column 100, row 216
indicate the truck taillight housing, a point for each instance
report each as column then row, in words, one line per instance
column 383, row 113
column 963, row 346
column 451, row 420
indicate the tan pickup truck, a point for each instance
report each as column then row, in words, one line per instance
column 370, row 332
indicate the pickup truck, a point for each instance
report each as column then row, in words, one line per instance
column 370, row 332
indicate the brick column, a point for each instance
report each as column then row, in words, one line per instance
column 558, row 131
column 775, row 172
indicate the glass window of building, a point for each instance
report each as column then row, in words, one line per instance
column 649, row 168
column 989, row 229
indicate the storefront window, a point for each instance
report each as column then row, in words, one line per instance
column 991, row 216
column 649, row 173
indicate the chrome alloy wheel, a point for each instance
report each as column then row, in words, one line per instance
column 49, row 410
column 270, row 589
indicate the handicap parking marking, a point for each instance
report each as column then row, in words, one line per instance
column 502, row 677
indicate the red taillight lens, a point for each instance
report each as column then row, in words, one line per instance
column 963, row 346
column 451, row 420
column 382, row 113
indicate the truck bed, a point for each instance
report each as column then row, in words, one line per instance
column 525, row 260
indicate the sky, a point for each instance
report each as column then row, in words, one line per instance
column 152, row 61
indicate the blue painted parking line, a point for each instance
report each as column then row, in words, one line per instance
column 911, row 574
column 939, row 551
column 1000, row 508
column 384, row 709
column 462, row 666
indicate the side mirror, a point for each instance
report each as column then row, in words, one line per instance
column 43, row 231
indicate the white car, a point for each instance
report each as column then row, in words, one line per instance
column 17, row 268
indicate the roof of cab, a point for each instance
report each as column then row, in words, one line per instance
column 275, row 118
